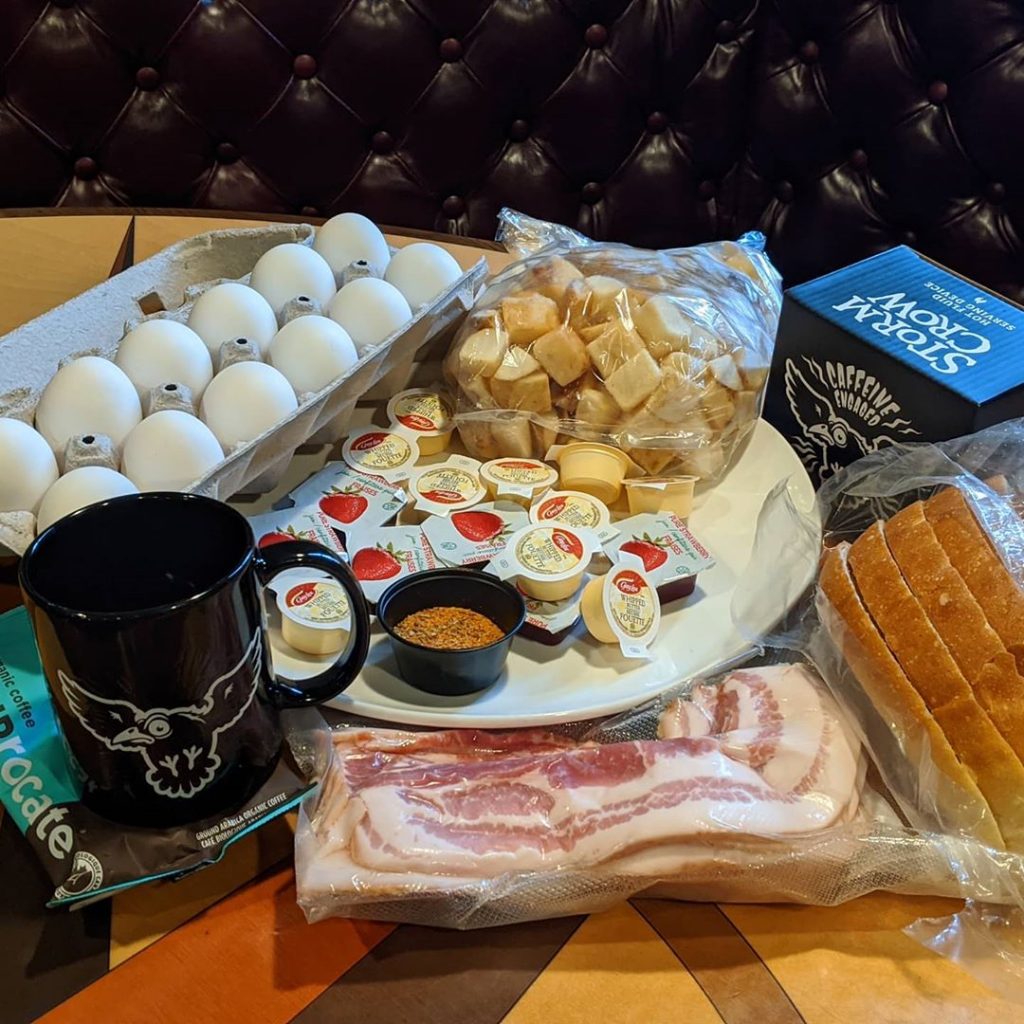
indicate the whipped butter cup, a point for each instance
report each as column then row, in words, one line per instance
column 661, row 494
column 427, row 414
column 315, row 614
column 597, row 469
column 622, row 607
column 574, row 508
column 548, row 561
column 447, row 486
column 386, row 452
column 519, row 480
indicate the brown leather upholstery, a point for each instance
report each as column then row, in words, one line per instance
column 840, row 127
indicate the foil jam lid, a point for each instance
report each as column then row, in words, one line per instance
column 389, row 453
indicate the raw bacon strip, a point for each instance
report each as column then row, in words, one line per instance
column 764, row 754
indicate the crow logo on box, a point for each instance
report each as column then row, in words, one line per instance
column 844, row 412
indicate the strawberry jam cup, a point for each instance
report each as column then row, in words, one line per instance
column 443, row 670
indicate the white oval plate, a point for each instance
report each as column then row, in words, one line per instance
column 581, row 678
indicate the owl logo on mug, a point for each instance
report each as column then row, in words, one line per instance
column 178, row 745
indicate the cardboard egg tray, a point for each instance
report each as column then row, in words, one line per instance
column 166, row 285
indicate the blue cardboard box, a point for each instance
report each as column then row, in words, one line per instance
column 892, row 349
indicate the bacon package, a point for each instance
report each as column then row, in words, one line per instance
column 663, row 355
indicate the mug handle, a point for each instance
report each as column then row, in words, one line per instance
column 301, row 554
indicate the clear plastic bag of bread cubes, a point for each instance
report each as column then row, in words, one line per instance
column 915, row 621
column 663, row 354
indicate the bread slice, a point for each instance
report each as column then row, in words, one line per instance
column 903, row 623
column 959, row 620
column 934, row 674
column 971, row 553
column 896, row 700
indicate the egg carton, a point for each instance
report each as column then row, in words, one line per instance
column 167, row 285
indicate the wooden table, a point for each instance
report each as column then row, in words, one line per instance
column 229, row 944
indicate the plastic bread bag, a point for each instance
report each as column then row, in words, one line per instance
column 907, row 579
column 663, row 354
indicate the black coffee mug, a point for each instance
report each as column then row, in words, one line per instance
column 148, row 615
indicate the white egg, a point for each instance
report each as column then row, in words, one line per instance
column 244, row 400
column 370, row 310
column 229, row 311
column 27, row 466
column 290, row 270
column 422, row 271
column 165, row 352
column 168, row 451
column 81, row 487
column 87, row 396
column 349, row 237
column 311, row 351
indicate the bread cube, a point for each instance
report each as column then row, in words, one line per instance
column 663, row 326
column 724, row 370
column 481, row 353
column 528, row 316
column 597, row 408
column 753, row 368
column 718, row 405
column 607, row 296
column 477, row 393
column 676, row 394
column 512, row 436
column 562, row 354
column 553, row 276
column 517, row 363
column 746, row 406
column 653, row 461
column 693, row 431
column 592, row 332
column 614, row 347
column 545, row 431
column 531, row 393
column 705, row 462
column 705, row 343
column 634, row 381
column 642, row 428
column 476, row 436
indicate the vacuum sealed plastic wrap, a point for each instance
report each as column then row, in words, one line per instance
column 663, row 354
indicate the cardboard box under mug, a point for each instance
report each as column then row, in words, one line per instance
column 891, row 350
column 94, row 323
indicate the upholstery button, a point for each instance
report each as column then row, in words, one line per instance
column 996, row 192
column 858, row 159
column 725, row 31
column 309, row 211
column 592, row 192
column 937, row 92
column 304, row 66
column 450, row 50
column 596, row 36
column 85, row 168
column 909, row 238
column 227, row 152
column 784, row 191
column 706, row 189
column 519, row 130
column 382, row 142
column 453, row 206
column 657, row 122
column 147, row 78
column 809, row 52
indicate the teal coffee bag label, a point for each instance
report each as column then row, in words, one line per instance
column 86, row 856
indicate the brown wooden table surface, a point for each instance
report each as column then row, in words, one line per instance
column 229, row 944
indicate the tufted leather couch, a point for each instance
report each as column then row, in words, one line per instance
column 839, row 127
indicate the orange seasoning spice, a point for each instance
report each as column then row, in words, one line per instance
column 448, row 629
